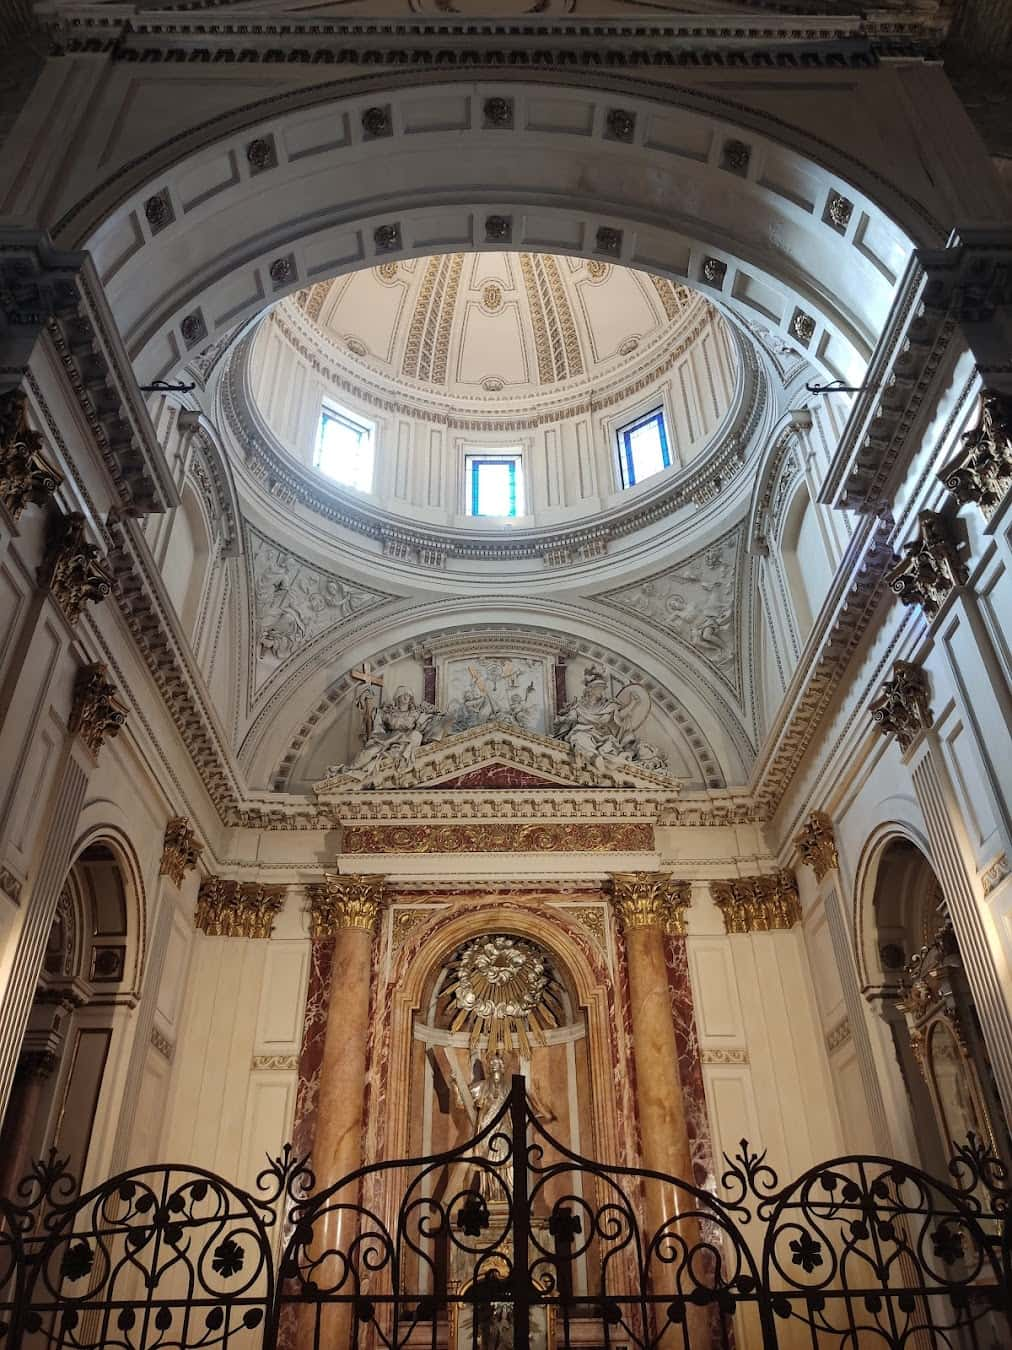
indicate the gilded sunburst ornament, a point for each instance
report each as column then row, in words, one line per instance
column 503, row 988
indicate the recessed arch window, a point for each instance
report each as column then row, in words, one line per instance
column 344, row 448
column 643, row 448
column 494, row 483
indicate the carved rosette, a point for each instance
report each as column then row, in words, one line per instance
column 180, row 850
column 982, row 471
column 26, row 476
column 758, row 904
column 346, row 902
column 931, row 567
column 97, row 710
column 243, row 909
column 903, row 708
column 650, row 899
column 71, row 568
column 817, row 845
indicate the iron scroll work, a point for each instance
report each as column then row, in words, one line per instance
column 510, row 1242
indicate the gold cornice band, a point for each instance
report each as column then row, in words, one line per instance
column 650, row 899
column 351, row 901
column 758, row 904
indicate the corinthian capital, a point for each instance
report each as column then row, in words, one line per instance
column 758, row 904
column 817, row 845
column 346, row 901
column 650, row 899
column 98, row 711
column 26, row 476
column 930, row 568
column 982, row 471
column 243, row 909
column 903, row 707
column 180, row 850
column 71, row 567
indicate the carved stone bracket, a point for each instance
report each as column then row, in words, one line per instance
column 903, row 709
column 646, row 899
column 71, row 568
column 346, row 902
column 180, row 850
column 758, row 904
column 817, row 845
column 244, row 909
column 982, row 471
column 930, row 568
column 97, row 710
column 26, row 476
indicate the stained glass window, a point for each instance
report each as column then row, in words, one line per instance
column 494, row 485
column 643, row 448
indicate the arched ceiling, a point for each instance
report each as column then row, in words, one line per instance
column 508, row 324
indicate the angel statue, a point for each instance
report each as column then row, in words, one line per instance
column 600, row 726
column 395, row 731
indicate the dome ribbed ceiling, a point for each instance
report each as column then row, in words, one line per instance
column 496, row 323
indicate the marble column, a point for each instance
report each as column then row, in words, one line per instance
column 346, row 908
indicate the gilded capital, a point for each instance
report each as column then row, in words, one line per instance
column 982, row 471
column 180, row 850
column 758, row 904
column 903, row 707
column 650, row 899
column 817, row 844
column 243, row 909
column 346, row 901
column 930, row 567
column 97, row 711
column 71, row 567
column 26, row 476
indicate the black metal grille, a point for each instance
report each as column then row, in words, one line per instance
column 509, row 1242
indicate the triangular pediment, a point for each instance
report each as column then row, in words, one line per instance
column 495, row 756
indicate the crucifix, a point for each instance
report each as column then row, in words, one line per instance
column 364, row 697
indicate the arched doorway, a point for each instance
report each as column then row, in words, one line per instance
column 924, row 997
column 60, row 1099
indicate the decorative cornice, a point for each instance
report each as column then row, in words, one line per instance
column 97, row 710
column 817, row 845
column 243, row 909
column 982, row 471
column 345, row 901
column 758, row 904
column 503, row 837
column 930, row 568
column 26, row 476
column 180, row 850
column 650, row 900
column 70, row 567
column 903, row 707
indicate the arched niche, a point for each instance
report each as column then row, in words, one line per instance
column 303, row 194
column 807, row 565
column 184, row 567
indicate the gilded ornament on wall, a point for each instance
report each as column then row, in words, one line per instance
column 180, row 850
column 982, row 471
column 71, row 568
column 817, row 845
column 508, row 837
column 346, row 901
column 902, row 709
column 242, row 909
column 503, row 989
column 26, row 476
column 650, row 899
column 758, row 904
column 97, row 710
column 930, row 568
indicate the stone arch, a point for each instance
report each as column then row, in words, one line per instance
column 871, row 976
column 177, row 286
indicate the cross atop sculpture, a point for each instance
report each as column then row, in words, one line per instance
column 368, row 680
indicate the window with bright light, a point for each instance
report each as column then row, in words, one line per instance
column 494, row 484
column 344, row 449
column 643, row 448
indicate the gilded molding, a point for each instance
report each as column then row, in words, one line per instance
column 26, row 476
column 994, row 874
column 982, row 471
column 930, row 568
column 346, row 901
column 404, row 921
column 71, row 568
column 180, row 850
column 97, row 711
column 817, row 844
column 903, row 709
column 650, row 899
column 506, row 837
column 758, row 904
column 243, row 909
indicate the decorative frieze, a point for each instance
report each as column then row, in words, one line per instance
column 345, row 902
column 982, row 471
column 930, row 568
column 506, row 837
column 903, row 708
column 648, row 899
column 817, row 845
column 994, row 874
column 180, row 850
column 838, row 1035
column 26, row 476
column 71, row 568
column 405, row 921
column 97, row 710
column 758, row 904
column 244, row 909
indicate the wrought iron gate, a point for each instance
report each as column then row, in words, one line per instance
column 509, row 1242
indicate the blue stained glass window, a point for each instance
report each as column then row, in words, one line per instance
column 494, row 485
column 643, row 448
